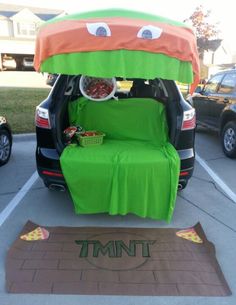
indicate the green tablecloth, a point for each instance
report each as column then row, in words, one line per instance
column 135, row 170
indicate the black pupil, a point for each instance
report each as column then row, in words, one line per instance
column 101, row 31
column 147, row 34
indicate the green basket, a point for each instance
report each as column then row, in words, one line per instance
column 90, row 140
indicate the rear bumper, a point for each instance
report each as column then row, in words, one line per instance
column 48, row 166
column 187, row 159
column 49, row 169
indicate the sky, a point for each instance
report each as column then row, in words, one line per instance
column 222, row 12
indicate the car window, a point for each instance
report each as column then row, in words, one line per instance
column 228, row 83
column 212, row 85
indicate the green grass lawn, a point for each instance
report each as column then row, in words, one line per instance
column 18, row 105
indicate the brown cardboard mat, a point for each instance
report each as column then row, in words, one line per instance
column 114, row 261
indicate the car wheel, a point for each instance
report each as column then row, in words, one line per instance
column 228, row 139
column 5, row 147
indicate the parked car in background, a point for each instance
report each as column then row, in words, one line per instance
column 215, row 108
column 9, row 63
column 52, row 119
column 200, row 85
column 5, row 141
column 28, row 63
column 51, row 78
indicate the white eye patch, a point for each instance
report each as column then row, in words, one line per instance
column 149, row 32
column 98, row 29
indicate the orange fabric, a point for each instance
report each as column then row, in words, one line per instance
column 70, row 36
column 194, row 84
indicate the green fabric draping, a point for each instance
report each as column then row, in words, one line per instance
column 125, row 63
column 135, row 170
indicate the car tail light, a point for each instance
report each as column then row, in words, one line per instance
column 51, row 173
column 184, row 173
column 42, row 118
column 189, row 120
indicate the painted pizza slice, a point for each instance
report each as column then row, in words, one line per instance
column 37, row 234
column 190, row 234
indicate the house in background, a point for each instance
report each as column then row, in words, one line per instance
column 18, row 29
column 217, row 59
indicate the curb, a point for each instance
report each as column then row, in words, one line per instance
column 24, row 137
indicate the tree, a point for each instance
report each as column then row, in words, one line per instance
column 206, row 33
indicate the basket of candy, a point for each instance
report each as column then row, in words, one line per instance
column 97, row 89
column 90, row 138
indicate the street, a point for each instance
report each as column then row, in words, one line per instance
column 23, row 197
column 27, row 79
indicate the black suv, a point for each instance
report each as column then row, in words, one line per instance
column 52, row 119
column 5, row 141
column 215, row 108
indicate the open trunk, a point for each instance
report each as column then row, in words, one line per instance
column 163, row 91
column 136, row 169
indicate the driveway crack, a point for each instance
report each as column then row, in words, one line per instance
column 207, row 213
column 213, row 159
column 215, row 186
column 14, row 192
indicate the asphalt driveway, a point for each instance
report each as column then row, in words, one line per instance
column 202, row 201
